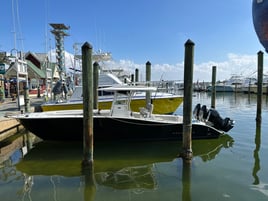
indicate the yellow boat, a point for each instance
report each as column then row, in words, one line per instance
column 164, row 103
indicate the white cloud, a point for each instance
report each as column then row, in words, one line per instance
column 245, row 65
column 235, row 64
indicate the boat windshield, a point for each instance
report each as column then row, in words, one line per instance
column 122, row 98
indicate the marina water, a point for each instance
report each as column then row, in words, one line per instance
column 233, row 167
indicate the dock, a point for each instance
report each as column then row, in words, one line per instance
column 9, row 126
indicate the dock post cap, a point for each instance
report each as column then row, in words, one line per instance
column 87, row 45
column 189, row 42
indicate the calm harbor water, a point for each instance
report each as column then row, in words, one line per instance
column 233, row 167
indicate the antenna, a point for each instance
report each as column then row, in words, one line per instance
column 14, row 27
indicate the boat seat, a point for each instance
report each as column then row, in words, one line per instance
column 143, row 111
column 146, row 112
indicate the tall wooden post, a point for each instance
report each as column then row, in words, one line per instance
column 213, row 89
column 26, row 99
column 187, row 103
column 38, row 91
column 136, row 75
column 87, row 76
column 95, row 84
column 148, row 80
column 132, row 78
column 259, row 90
column 2, row 85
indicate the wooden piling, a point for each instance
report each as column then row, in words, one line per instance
column 187, row 103
column 213, row 87
column 148, row 80
column 249, row 86
column 136, row 75
column 26, row 99
column 95, row 84
column 132, row 78
column 167, row 87
column 259, row 87
column 87, row 76
column 38, row 92
column 2, row 88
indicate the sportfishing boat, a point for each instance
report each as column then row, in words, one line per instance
column 233, row 84
column 221, row 87
column 251, row 85
column 121, row 123
column 164, row 103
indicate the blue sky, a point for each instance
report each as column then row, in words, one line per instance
column 137, row 31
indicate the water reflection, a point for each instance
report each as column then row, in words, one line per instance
column 186, row 181
column 56, row 156
column 129, row 169
column 257, row 167
column 11, row 151
column 257, row 184
column 89, row 182
column 231, row 100
column 48, row 170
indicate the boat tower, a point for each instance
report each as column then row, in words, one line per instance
column 60, row 31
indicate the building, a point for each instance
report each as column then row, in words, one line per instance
column 39, row 72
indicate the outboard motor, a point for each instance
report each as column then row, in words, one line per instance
column 200, row 113
column 218, row 122
column 204, row 112
column 197, row 111
column 212, row 116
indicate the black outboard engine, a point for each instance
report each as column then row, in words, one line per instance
column 218, row 122
column 200, row 113
column 212, row 116
column 197, row 111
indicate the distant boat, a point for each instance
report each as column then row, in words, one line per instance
column 233, row 84
column 121, row 123
column 251, row 85
column 221, row 88
column 260, row 21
